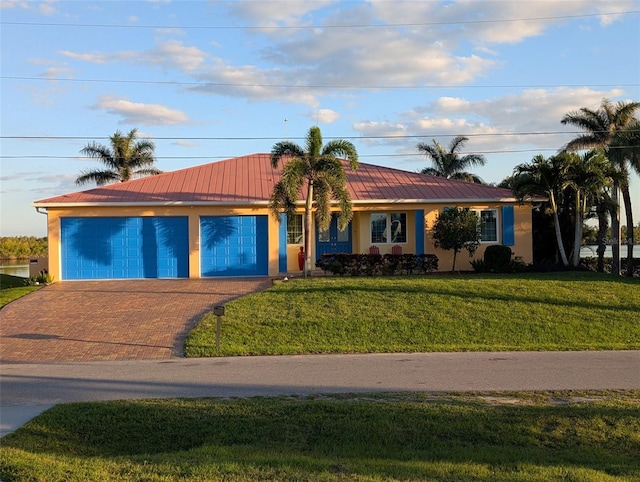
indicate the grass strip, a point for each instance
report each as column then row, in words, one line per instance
column 559, row 311
column 587, row 436
column 13, row 287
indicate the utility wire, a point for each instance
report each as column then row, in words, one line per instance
column 312, row 86
column 243, row 138
column 362, row 156
column 313, row 27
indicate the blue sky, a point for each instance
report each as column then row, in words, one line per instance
column 212, row 80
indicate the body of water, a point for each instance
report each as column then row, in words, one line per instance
column 15, row 267
column 592, row 251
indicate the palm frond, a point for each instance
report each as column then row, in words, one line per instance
column 285, row 149
column 99, row 177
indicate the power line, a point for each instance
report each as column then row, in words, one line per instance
column 244, row 138
column 361, row 156
column 313, row 27
column 312, row 86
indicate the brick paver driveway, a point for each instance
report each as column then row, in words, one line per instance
column 112, row 320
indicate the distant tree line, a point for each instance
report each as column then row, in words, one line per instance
column 22, row 247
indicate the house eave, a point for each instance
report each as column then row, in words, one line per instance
column 148, row 204
column 455, row 201
column 437, row 201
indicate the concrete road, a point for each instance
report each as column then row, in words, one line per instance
column 28, row 389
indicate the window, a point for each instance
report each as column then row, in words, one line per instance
column 488, row 225
column 388, row 228
column 294, row 229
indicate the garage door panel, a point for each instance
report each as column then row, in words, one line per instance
column 234, row 246
column 128, row 247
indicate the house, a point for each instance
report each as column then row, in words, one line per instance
column 214, row 220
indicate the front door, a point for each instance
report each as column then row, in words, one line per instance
column 333, row 240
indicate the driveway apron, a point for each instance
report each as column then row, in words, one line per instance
column 145, row 319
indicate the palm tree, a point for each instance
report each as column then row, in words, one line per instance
column 588, row 177
column 601, row 127
column 320, row 168
column 625, row 146
column 542, row 177
column 625, row 153
column 448, row 163
column 126, row 158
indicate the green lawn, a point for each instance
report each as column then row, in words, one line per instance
column 13, row 287
column 561, row 436
column 559, row 311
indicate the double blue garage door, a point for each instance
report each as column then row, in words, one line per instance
column 158, row 247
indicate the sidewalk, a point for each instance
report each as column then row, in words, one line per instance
column 34, row 387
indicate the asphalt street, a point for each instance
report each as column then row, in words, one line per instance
column 29, row 389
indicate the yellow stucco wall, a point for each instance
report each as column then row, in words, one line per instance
column 361, row 236
column 193, row 213
column 523, row 245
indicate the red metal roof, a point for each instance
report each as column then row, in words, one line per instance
column 250, row 180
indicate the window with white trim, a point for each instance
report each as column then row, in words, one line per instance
column 294, row 229
column 488, row 219
column 388, row 228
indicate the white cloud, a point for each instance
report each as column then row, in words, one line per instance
column 46, row 7
column 183, row 143
column 271, row 13
column 188, row 59
column 135, row 113
column 9, row 4
column 326, row 116
column 530, row 119
column 99, row 58
column 53, row 72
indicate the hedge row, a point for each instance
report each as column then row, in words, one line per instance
column 377, row 264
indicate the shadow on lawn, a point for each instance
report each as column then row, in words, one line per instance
column 467, row 293
column 591, row 436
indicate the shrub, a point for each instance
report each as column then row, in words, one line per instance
column 42, row 278
column 375, row 264
column 497, row 258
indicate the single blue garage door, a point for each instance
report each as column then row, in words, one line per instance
column 127, row 247
column 234, row 246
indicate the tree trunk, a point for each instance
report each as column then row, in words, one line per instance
column 629, row 241
column 455, row 255
column 577, row 232
column 556, row 225
column 308, row 226
column 615, row 230
column 603, row 225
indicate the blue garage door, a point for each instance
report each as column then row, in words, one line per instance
column 131, row 247
column 234, row 246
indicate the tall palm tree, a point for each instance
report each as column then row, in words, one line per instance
column 320, row 168
column 448, row 163
column 125, row 158
column 625, row 146
column 542, row 177
column 588, row 177
column 600, row 128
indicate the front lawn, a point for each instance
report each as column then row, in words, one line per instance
column 556, row 436
column 559, row 311
column 13, row 287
